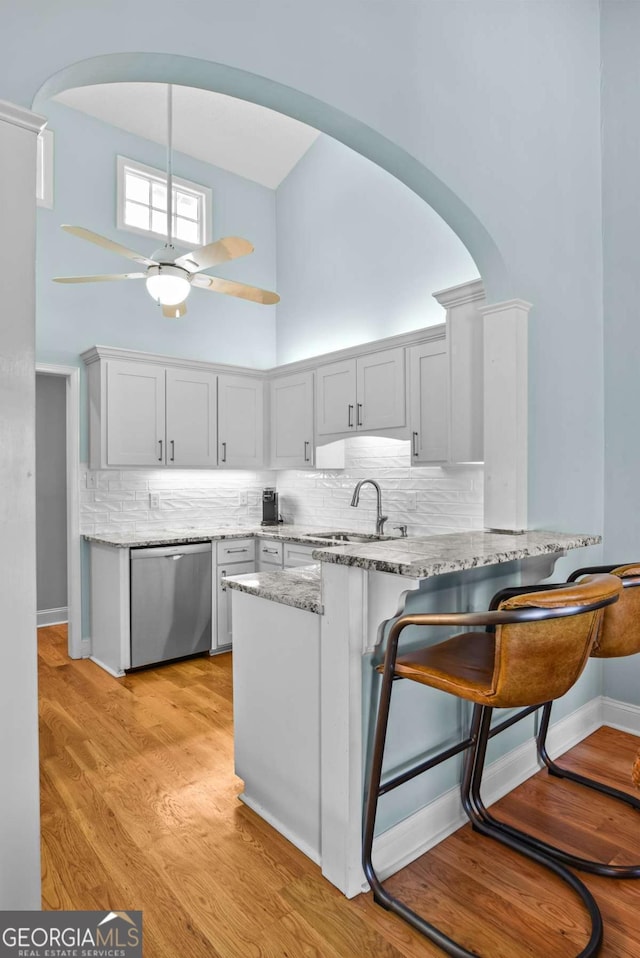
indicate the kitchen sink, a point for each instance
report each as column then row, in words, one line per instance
column 349, row 536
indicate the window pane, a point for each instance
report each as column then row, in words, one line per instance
column 187, row 230
column 159, row 222
column 136, row 188
column 159, row 196
column 136, row 215
column 186, row 205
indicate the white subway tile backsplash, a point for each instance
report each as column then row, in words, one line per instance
column 446, row 499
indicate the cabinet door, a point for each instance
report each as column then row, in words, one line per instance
column 429, row 403
column 381, row 390
column 191, row 417
column 223, row 613
column 240, row 422
column 296, row 554
column 269, row 555
column 292, row 421
column 336, row 398
column 135, row 414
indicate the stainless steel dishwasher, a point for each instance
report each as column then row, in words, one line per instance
column 170, row 602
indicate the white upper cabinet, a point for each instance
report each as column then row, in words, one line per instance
column 240, row 422
column 365, row 394
column 135, row 420
column 429, row 370
column 191, row 417
column 150, row 413
column 292, row 444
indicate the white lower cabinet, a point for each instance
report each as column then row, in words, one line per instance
column 269, row 555
column 296, row 554
column 234, row 557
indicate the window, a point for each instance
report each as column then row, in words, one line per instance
column 44, row 169
column 142, row 204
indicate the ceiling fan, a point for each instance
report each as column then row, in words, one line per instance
column 169, row 274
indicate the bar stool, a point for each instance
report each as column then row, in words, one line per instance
column 537, row 650
column 619, row 635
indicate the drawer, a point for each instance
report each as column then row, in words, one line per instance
column 269, row 552
column 296, row 554
column 236, row 550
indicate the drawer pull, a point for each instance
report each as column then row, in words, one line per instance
column 236, row 550
column 270, row 551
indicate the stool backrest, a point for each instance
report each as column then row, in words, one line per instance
column 620, row 630
column 538, row 661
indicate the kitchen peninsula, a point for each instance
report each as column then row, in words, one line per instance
column 306, row 642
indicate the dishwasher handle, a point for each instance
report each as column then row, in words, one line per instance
column 175, row 550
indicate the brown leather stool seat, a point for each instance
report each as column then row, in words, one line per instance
column 534, row 648
column 619, row 636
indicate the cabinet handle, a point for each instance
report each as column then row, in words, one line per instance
column 223, row 573
column 306, row 457
column 350, row 417
column 174, row 558
column 160, row 457
column 270, row 551
column 173, row 451
column 235, row 550
column 359, row 416
column 224, row 452
column 414, row 436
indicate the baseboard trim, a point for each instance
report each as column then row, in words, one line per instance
column 107, row 668
column 414, row 836
column 52, row 617
column 259, row 809
column 621, row 715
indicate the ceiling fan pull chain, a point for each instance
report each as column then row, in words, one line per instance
column 169, row 164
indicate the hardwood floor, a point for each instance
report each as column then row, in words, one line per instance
column 140, row 810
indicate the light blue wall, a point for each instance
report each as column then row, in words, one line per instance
column 359, row 255
column 72, row 318
column 621, row 207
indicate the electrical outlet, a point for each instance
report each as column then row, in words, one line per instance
column 154, row 500
column 90, row 480
column 243, row 498
column 411, row 504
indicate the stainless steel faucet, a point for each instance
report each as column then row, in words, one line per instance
column 355, row 499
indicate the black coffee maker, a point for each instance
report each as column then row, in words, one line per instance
column 270, row 515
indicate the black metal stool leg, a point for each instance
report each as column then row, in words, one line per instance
column 380, row 894
column 559, row 772
column 486, row 825
column 545, row 848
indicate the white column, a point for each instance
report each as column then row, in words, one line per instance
column 506, row 415
column 19, row 794
column 464, row 343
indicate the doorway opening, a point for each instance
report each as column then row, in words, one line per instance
column 58, row 536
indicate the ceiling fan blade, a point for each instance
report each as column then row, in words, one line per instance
column 104, row 278
column 231, row 288
column 92, row 237
column 219, row 252
column 174, row 312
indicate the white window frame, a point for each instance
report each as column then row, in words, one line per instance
column 124, row 163
column 44, row 169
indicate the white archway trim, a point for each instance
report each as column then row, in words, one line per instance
column 77, row 649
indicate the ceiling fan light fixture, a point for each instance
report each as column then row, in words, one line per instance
column 168, row 285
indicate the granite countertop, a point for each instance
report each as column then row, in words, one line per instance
column 424, row 556
column 299, row 587
column 164, row 537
